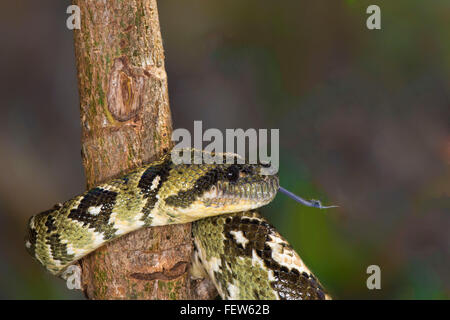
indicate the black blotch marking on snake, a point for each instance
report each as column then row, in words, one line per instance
column 184, row 199
column 94, row 198
column 50, row 224
column 146, row 182
column 58, row 249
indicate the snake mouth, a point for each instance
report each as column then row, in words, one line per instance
column 250, row 194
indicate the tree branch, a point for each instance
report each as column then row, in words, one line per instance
column 126, row 121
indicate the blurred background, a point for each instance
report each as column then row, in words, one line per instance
column 364, row 119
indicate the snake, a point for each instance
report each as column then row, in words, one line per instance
column 243, row 255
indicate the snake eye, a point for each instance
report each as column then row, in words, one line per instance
column 232, row 173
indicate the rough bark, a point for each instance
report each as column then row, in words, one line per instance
column 126, row 121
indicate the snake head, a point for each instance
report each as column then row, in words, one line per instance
column 201, row 190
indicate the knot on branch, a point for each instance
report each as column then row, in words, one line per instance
column 176, row 271
column 125, row 90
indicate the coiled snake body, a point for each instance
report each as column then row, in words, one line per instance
column 244, row 256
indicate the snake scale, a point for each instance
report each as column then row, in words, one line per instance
column 239, row 250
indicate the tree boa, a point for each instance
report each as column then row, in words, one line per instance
column 239, row 250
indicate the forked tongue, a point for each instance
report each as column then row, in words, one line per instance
column 310, row 203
